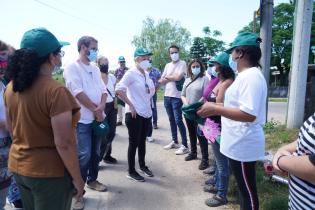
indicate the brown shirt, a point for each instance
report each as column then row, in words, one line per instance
column 33, row 152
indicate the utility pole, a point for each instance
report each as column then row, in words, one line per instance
column 299, row 62
column 266, row 13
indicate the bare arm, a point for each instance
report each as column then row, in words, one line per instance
column 84, row 99
column 210, row 109
column 299, row 166
column 184, row 100
column 175, row 77
column 222, row 89
column 66, row 147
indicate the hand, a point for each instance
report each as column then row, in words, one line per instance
column 99, row 113
column 207, row 109
column 133, row 111
column 79, row 187
column 279, row 153
column 169, row 78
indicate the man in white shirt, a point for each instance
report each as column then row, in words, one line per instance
column 174, row 72
column 83, row 79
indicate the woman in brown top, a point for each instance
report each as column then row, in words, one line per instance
column 41, row 116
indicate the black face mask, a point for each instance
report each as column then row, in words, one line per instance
column 104, row 68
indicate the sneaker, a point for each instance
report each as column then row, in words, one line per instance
column 210, row 189
column 190, row 157
column 172, row 145
column 110, row 160
column 182, row 150
column 216, row 201
column 135, row 176
column 203, row 165
column 210, row 181
column 96, row 185
column 118, row 123
column 210, row 171
column 150, row 139
column 78, row 204
column 155, row 127
column 147, row 171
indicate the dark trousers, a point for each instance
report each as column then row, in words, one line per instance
column 45, row 193
column 203, row 143
column 245, row 175
column 111, row 117
column 137, row 131
column 154, row 115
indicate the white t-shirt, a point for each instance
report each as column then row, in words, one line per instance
column 3, row 132
column 172, row 69
column 245, row 141
column 110, row 87
column 79, row 78
column 134, row 82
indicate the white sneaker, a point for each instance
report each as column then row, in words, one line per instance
column 171, row 145
column 182, row 150
column 150, row 139
column 78, row 204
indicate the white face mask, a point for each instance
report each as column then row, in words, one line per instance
column 145, row 65
column 175, row 57
column 233, row 64
column 195, row 71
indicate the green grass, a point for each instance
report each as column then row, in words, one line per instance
column 272, row 195
column 59, row 78
column 278, row 99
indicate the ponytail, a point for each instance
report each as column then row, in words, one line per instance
column 23, row 68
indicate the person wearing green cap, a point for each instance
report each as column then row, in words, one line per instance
column 119, row 73
column 173, row 73
column 136, row 90
column 41, row 116
column 243, row 116
column 220, row 182
column 83, row 79
column 192, row 92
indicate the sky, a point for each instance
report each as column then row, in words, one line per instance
column 114, row 23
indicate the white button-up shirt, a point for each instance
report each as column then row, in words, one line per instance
column 79, row 78
column 134, row 83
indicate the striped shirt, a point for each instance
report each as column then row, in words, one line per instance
column 301, row 192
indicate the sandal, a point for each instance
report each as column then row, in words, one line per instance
column 216, row 201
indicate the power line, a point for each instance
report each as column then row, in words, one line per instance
column 68, row 14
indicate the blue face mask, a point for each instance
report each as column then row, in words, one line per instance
column 214, row 72
column 233, row 64
column 195, row 71
column 92, row 55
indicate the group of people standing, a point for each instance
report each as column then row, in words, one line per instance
column 223, row 105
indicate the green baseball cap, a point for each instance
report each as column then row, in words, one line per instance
column 222, row 58
column 141, row 52
column 121, row 59
column 190, row 112
column 42, row 41
column 245, row 39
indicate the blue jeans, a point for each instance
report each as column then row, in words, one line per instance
column 222, row 171
column 88, row 151
column 173, row 108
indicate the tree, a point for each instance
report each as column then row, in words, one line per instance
column 159, row 37
column 198, row 49
column 282, row 36
column 212, row 43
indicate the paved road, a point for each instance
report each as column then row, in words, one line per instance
column 277, row 111
column 177, row 184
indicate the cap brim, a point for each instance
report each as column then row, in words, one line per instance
column 229, row 51
column 62, row 43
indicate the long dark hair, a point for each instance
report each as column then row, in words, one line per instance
column 226, row 72
column 23, row 68
column 202, row 68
